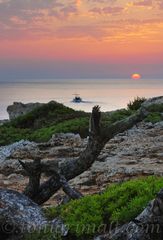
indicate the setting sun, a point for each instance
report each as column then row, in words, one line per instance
column 136, row 76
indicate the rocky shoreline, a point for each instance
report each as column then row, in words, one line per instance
column 136, row 152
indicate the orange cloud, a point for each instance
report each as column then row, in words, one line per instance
column 95, row 30
column 143, row 3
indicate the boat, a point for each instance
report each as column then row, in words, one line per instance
column 77, row 98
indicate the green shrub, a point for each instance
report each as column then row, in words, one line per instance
column 40, row 124
column 118, row 203
column 156, row 113
column 154, row 117
column 109, row 118
column 83, row 217
column 9, row 134
column 156, row 108
column 50, row 113
column 52, row 212
column 123, row 202
column 135, row 104
column 77, row 125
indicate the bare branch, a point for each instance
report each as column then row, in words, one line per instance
column 34, row 172
column 97, row 139
column 71, row 192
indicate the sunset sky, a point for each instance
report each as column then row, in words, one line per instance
column 80, row 39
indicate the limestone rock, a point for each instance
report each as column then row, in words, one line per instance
column 16, row 150
column 136, row 152
column 19, row 109
column 65, row 139
column 151, row 101
column 18, row 215
column 17, row 209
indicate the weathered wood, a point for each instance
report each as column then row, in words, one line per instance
column 97, row 139
column 34, row 173
column 71, row 192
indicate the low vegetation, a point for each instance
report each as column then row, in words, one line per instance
column 47, row 115
column 156, row 113
column 41, row 123
column 118, row 204
column 109, row 118
column 76, row 125
column 154, row 117
column 136, row 103
column 94, row 214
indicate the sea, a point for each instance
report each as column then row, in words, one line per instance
column 109, row 94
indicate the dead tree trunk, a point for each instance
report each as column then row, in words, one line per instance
column 34, row 174
column 70, row 169
column 71, row 192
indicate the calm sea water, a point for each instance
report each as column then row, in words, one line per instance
column 109, row 94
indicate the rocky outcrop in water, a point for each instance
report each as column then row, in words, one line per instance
column 18, row 109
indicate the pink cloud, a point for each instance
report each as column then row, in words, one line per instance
column 107, row 10
column 143, row 3
column 160, row 5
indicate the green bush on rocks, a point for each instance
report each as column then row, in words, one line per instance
column 119, row 203
column 136, row 103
